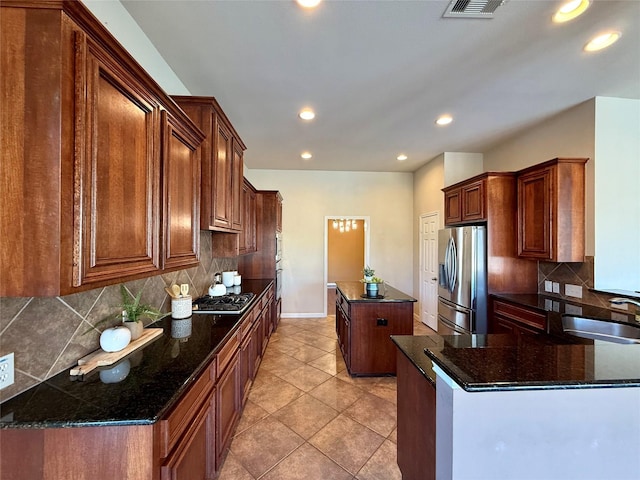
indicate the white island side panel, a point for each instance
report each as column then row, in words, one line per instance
column 587, row 433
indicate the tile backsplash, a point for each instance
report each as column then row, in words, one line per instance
column 579, row 274
column 49, row 334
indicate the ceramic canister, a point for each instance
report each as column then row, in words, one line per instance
column 227, row 278
column 181, row 307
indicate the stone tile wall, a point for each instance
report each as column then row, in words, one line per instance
column 580, row 274
column 49, row 334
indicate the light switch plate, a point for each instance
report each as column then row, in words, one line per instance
column 6, row 370
column 548, row 286
column 573, row 290
column 556, row 287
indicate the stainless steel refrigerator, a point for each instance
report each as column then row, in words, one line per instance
column 462, row 282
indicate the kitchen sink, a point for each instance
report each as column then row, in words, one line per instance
column 606, row 330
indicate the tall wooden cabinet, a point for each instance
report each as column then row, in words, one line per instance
column 551, row 215
column 222, row 165
column 85, row 139
column 491, row 199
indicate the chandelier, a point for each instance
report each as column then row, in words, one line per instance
column 345, row 225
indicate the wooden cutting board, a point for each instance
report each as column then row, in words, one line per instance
column 100, row 358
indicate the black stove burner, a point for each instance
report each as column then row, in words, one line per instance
column 231, row 303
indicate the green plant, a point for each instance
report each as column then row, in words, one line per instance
column 368, row 271
column 373, row 280
column 132, row 311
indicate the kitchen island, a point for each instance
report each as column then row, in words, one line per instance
column 364, row 326
column 519, row 407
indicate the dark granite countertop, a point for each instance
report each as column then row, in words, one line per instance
column 354, row 291
column 508, row 362
column 159, row 374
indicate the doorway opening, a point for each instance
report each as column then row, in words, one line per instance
column 346, row 252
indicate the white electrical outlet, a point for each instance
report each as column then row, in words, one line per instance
column 6, row 370
column 573, row 290
column 556, row 287
column 548, row 286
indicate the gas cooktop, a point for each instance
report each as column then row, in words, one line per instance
column 224, row 304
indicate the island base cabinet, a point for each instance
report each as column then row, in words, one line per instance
column 416, row 422
column 371, row 351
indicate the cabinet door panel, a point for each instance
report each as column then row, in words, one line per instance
column 473, row 201
column 237, row 176
column 227, row 406
column 534, row 214
column 452, row 207
column 181, row 196
column 222, row 175
column 194, row 459
column 117, row 215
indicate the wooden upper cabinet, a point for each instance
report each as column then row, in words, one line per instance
column 237, row 180
column 117, row 165
column 222, row 172
column 222, row 165
column 551, row 210
column 465, row 202
column 83, row 155
column 181, row 193
column 247, row 240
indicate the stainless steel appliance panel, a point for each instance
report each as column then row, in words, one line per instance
column 462, row 278
column 459, row 317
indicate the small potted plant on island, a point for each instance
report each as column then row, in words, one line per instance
column 368, row 273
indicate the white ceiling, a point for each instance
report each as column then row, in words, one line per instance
column 378, row 73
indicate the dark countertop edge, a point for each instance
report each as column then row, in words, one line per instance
column 521, row 386
column 394, row 296
column 397, row 340
column 60, row 424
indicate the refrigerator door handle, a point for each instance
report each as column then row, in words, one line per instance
column 450, row 261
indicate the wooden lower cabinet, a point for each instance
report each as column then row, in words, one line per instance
column 194, row 459
column 229, row 405
column 416, row 422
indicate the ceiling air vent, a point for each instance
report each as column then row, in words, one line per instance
column 472, row 8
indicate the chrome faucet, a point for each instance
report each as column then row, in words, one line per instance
column 620, row 301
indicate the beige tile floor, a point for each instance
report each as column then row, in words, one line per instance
column 306, row 418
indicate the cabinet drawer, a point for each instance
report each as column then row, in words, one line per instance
column 343, row 304
column 225, row 355
column 177, row 422
column 247, row 323
column 519, row 314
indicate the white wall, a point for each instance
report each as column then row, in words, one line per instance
column 568, row 134
column 309, row 196
column 122, row 26
column 459, row 166
column 617, row 194
column 428, row 182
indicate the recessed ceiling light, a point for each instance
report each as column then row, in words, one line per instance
column 602, row 41
column 570, row 10
column 306, row 155
column 402, row 157
column 307, row 114
column 308, row 3
column 444, row 120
